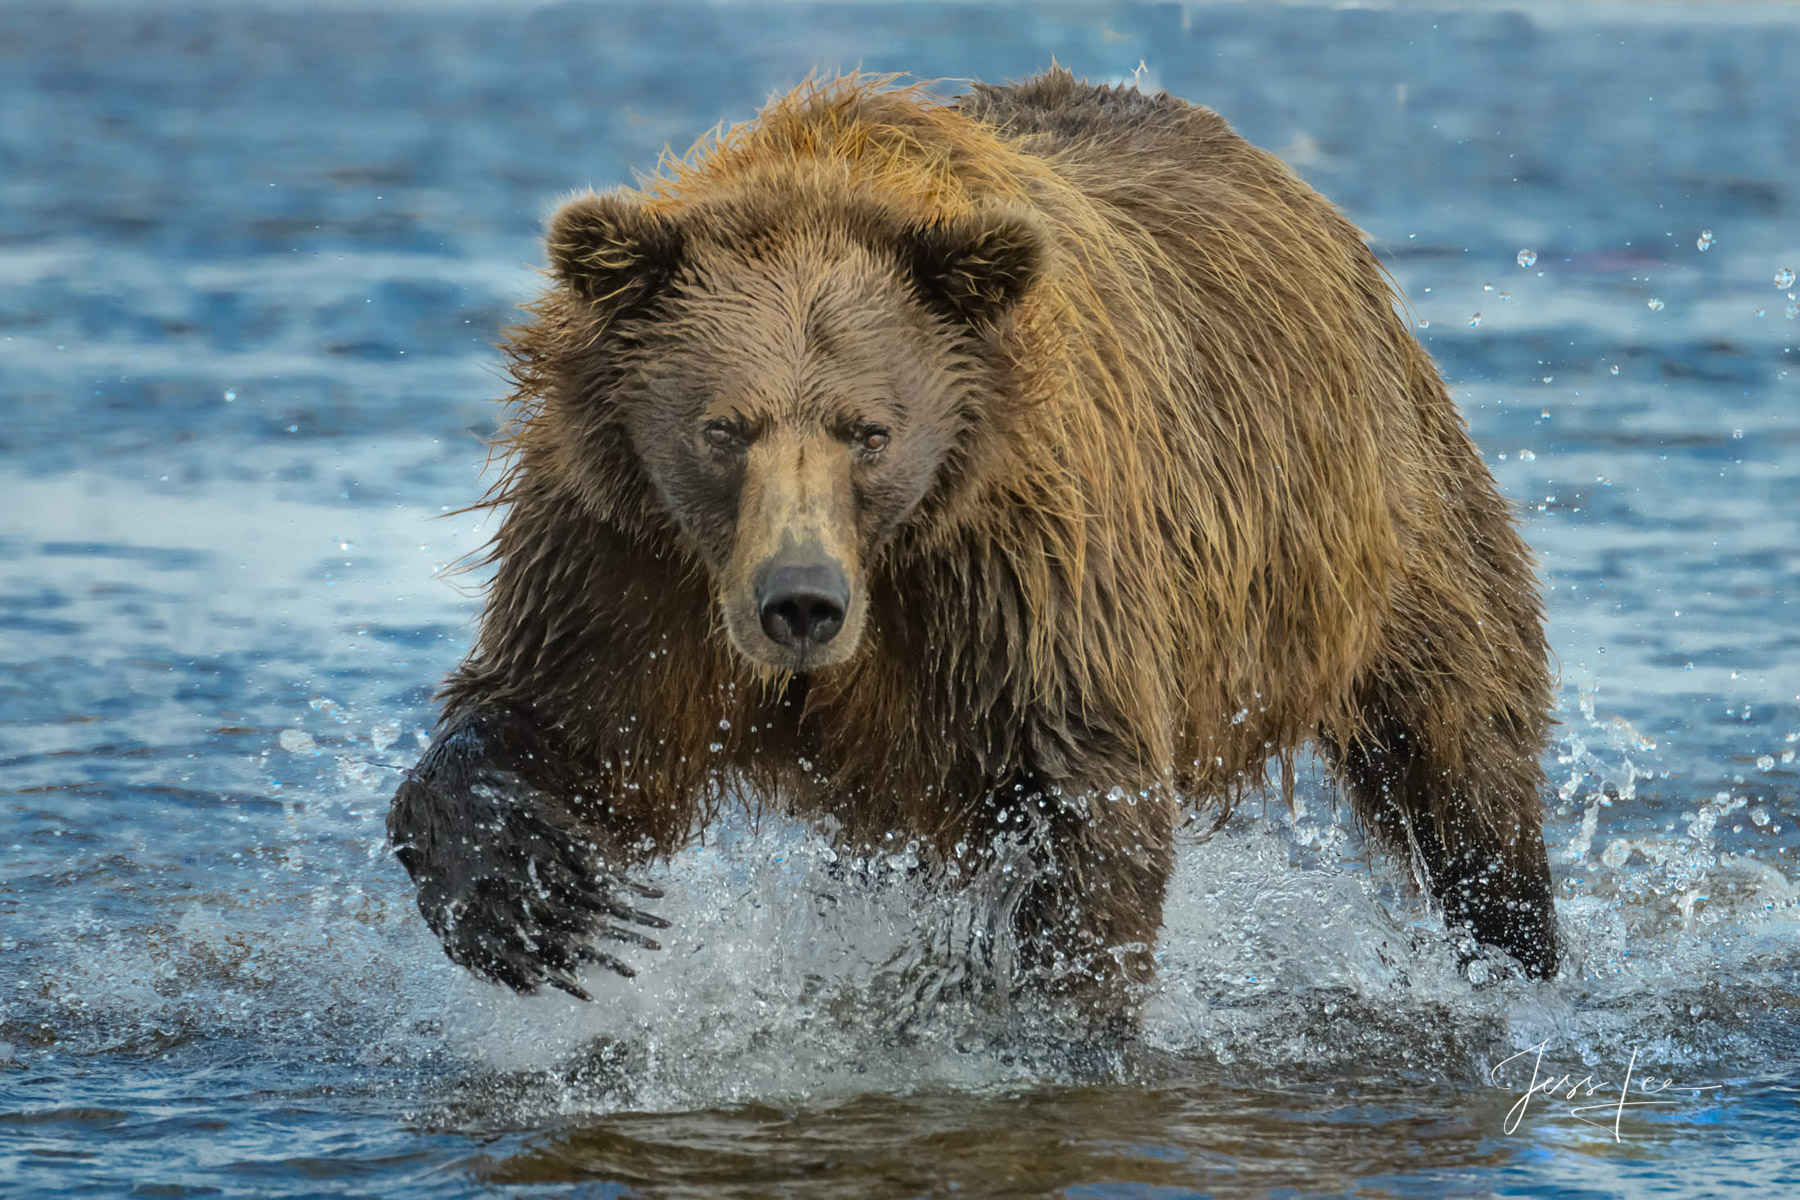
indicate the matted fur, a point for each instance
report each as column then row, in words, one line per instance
column 1206, row 500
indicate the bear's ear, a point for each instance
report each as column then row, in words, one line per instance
column 611, row 251
column 976, row 267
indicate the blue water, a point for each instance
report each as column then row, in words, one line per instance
column 251, row 263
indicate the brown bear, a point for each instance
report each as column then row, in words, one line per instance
column 1014, row 471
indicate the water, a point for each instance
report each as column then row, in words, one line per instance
column 251, row 261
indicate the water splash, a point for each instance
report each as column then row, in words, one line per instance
column 1285, row 950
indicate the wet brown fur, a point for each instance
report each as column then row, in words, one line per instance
column 1210, row 502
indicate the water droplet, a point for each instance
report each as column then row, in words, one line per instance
column 1705, row 242
column 1757, row 313
column 1549, row 379
column 1238, row 717
column 1792, row 310
column 1784, row 278
column 1424, row 324
column 297, row 741
column 1527, row 456
column 715, row 747
column 230, row 396
column 1765, row 762
column 724, row 724
column 1701, row 827
column 1760, row 815
column 1475, row 320
column 1655, row 304
column 1487, row 287
column 1615, row 368
column 383, row 735
column 1616, row 853
column 1527, row 258
column 1738, row 434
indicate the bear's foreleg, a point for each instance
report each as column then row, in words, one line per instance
column 1458, row 796
column 516, row 874
column 1089, row 914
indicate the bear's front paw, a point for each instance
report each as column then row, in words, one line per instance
column 535, row 900
column 512, row 879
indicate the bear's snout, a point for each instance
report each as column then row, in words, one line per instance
column 802, row 605
column 792, row 592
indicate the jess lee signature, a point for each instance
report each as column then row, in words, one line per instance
column 1654, row 1092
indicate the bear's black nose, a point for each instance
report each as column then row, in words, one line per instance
column 802, row 605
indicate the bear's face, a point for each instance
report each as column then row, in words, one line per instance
column 793, row 391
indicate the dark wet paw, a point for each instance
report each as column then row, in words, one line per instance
column 541, row 908
column 514, row 880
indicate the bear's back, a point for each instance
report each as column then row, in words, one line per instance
column 1065, row 109
column 1058, row 114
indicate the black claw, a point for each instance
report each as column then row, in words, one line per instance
column 650, row 920
column 570, row 986
column 506, row 973
column 602, row 959
column 589, row 902
column 617, row 934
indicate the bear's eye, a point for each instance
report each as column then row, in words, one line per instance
column 873, row 438
column 720, row 434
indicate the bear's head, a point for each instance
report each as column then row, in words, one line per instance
column 795, row 377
